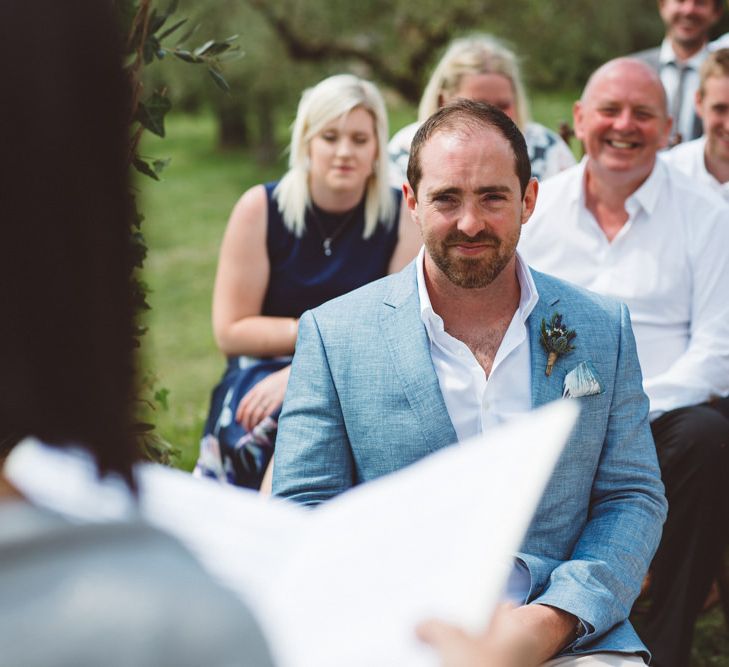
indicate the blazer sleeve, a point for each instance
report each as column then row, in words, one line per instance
column 602, row 578
column 313, row 458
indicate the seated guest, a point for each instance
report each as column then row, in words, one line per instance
column 480, row 68
column 677, row 60
column 459, row 342
column 117, row 593
column 625, row 224
column 328, row 226
column 707, row 159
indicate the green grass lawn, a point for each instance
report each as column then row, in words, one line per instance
column 185, row 218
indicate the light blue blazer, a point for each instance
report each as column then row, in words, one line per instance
column 363, row 400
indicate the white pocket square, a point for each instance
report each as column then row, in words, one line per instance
column 582, row 380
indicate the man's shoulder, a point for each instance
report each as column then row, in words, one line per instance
column 686, row 157
column 694, row 199
column 355, row 304
column 683, row 149
column 650, row 56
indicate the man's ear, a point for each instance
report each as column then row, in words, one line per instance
column 530, row 200
column 698, row 104
column 666, row 132
column 577, row 112
column 411, row 202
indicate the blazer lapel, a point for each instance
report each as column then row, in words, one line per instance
column 405, row 336
column 544, row 388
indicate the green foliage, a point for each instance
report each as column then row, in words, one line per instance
column 144, row 27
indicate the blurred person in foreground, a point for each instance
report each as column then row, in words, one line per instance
column 706, row 159
column 678, row 59
column 480, row 68
column 330, row 225
column 627, row 225
column 116, row 593
column 466, row 337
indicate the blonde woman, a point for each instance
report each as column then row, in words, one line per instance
column 327, row 227
column 480, row 68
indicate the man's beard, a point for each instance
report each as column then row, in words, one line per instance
column 472, row 272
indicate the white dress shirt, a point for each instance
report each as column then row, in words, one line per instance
column 670, row 77
column 669, row 264
column 688, row 157
column 476, row 402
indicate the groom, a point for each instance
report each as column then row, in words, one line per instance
column 465, row 337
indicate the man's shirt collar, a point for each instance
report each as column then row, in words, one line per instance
column 668, row 56
column 645, row 197
column 433, row 322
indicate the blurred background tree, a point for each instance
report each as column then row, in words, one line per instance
column 291, row 44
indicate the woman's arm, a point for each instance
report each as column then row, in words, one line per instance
column 241, row 282
column 408, row 240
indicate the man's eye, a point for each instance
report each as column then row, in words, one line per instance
column 643, row 115
column 609, row 111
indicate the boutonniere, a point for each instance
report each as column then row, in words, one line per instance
column 556, row 340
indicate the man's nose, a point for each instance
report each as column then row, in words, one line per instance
column 470, row 222
column 624, row 120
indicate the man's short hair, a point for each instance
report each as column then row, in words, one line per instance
column 465, row 116
column 715, row 65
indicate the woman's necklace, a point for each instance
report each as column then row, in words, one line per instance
column 342, row 223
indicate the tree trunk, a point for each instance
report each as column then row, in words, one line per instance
column 232, row 126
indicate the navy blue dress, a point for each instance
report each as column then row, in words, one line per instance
column 301, row 277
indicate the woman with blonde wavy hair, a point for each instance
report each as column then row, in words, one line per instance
column 480, row 68
column 330, row 225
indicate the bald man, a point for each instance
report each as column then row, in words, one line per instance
column 627, row 225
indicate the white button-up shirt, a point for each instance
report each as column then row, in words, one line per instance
column 669, row 264
column 476, row 402
column 688, row 157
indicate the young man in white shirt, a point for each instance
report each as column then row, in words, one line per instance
column 678, row 59
column 706, row 159
column 625, row 224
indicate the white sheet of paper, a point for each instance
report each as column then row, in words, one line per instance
column 434, row 539
column 347, row 583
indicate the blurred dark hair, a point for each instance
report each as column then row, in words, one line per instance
column 66, row 345
column 466, row 116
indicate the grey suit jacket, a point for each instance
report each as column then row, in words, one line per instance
column 363, row 400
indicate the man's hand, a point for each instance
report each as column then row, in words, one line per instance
column 263, row 399
column 524, row 636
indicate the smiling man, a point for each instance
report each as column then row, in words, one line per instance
column 625, row 224
column 678, row 59
column 451, row 347
column 706, row 159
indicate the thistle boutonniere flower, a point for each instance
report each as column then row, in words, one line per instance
column 556, row 340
